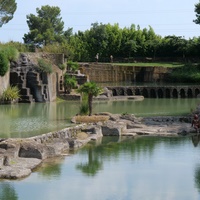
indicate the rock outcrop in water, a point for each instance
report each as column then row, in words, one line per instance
column 19, row 157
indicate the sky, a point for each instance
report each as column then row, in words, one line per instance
column 166, row 17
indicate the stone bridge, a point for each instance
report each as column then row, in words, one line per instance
column 191, row 91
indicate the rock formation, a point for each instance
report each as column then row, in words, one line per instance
column 18, row 157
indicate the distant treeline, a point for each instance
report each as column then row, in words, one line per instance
column 127, row 44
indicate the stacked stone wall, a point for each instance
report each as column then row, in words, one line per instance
column 115, row 73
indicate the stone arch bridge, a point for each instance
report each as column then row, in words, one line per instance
column 191, row 91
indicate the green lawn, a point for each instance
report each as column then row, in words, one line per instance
column 152, row 64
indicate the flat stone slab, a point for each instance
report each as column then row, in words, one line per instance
column 19, row 168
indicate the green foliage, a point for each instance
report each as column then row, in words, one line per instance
column 7, row 10
column 90, row 89
column 11, row 53
column 7, row 53
column 69, row 83
column 125, row 113
column 107, row 39
column 58, row 48
column 45, row 66
column 197, row 10
column 186, row 74
column 62, row 66
column 84, row 108
column 18, row 45
column 45, row 28
column 10, row 94
column 3, row 64
column 73, row 66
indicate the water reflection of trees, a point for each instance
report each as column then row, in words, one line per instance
column 93, row 165
column 197, row 177
column 114, row 146
column 51, row 167
column 7, row 192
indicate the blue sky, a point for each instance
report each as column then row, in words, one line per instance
column 166, row 17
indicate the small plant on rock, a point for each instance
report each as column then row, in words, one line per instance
column 10, row 94
column 45, row 66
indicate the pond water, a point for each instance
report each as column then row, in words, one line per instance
column 147, row 168
column 25, row 120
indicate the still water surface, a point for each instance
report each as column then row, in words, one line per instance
column 25, row 120
column 147, row 168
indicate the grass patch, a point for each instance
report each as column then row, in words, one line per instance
column 151, row 64
column 189, row 73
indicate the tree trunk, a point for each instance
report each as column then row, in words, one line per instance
column 90, row 104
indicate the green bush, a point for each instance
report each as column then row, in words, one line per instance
column 16, row 45
column 72, row 66
column 7, row 53
column 10, row 94
column 3, row 64
column 45, row 66
column 62, row 66
column 189, row 73
column 69, row 83
column 10, row 52
column 61, row 48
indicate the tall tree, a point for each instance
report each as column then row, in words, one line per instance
column 197, row 10
column 45, row 28
column 96, row 38
column 114, row 37
column 7, row 10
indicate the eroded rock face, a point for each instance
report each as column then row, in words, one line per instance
column 29, row 150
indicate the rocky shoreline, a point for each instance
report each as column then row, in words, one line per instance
column 19, row 157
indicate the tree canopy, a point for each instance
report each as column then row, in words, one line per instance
column 197, row 10
column 7, row 10
column 45, row 28
column 128, row 44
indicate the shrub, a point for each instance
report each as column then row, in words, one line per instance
column 45, row 66
column 72, row 66
column 10, row 94
column 61, row 48
column 3, row 64
column 16, row 45
column 69, row 83
column 7, row 53
column 10, row 52
column 62, row 66
column 189, row 73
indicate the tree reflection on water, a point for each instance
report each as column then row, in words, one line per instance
column 7, row 192
column 112, row 147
